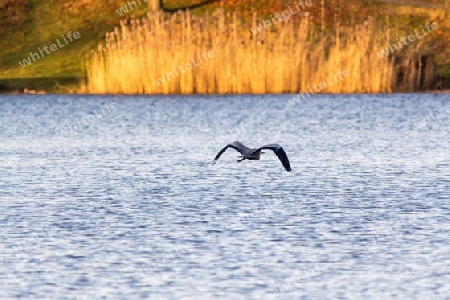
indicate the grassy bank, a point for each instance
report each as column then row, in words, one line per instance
column 29, row 24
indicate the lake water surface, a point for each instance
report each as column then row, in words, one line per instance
column 105, row 197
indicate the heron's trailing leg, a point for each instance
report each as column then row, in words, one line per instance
column 240, row 158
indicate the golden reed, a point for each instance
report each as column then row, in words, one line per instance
column 287, row 58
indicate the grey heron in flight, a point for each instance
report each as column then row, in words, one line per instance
column 255, row 153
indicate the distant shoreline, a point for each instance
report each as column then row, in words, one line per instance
column 64, row 85
column 26, row 91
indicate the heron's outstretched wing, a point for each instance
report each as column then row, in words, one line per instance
column 280, row 153
column 235, row 145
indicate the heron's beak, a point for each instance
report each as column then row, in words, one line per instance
column 263, row 152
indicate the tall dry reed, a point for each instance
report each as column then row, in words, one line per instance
column 287, row 59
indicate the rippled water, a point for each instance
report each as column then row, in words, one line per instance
column 116, row 198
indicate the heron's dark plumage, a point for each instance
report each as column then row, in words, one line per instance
column 254, row 153
column 279, row 151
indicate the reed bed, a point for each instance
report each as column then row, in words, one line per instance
column 290, row 57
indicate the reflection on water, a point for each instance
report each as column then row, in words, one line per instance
column 116, row 198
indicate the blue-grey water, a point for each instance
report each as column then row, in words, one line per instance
column 115, row 197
